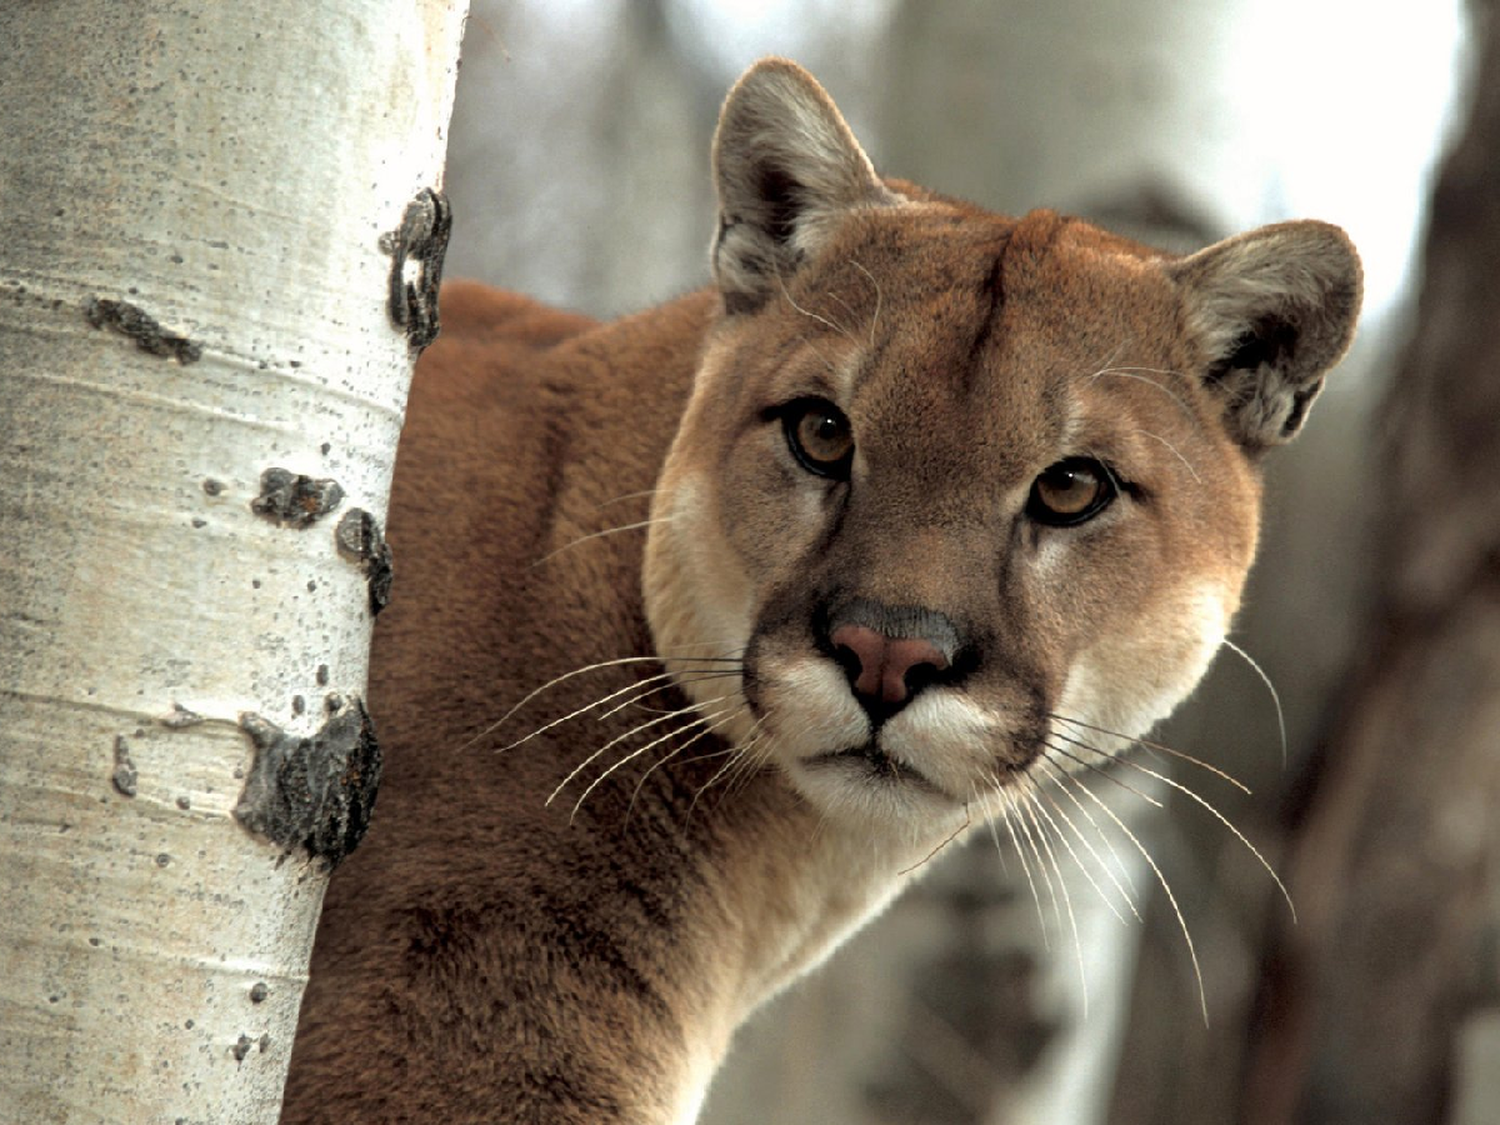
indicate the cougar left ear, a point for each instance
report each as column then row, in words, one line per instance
column 1273, row 310
column 786, row 168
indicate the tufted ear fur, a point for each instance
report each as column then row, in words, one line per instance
column 786, row 167
column 1273, row 309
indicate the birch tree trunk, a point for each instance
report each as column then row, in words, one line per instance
column 218, row 253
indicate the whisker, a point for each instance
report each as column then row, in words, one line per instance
column 656, row 765
column 1275, row 695
column 742, row 763
column 989, row 821
column 657, row 681
column 1165, row 886
column 812, row 315
column 1006, row 808
column 623, row 736
column 1033, row 809
column 749, row 763
column 529, row 696
column 1146, row 742
column 1056, row 777
column 1185, row 463
column 1139, row 375
column 948, row 840
column 1222, row 819
column 628, row 496
column 1111, row 778
column 680, row 678
column 879, row 298
column 634, row 754
column 600, row 534
column 1039, row 793
column 718, row 773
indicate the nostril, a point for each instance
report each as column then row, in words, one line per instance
column 920, row 676
column 848, row 660
column 866, row 659
column 911, row 664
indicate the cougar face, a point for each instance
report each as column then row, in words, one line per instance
column 966, row 493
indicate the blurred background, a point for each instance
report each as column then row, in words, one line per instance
column 578, row 173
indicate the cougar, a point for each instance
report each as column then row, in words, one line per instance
column 714, row 623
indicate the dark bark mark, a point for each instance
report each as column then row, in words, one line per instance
column 361, row 541
column 147, row 332
column 314, row 793
column 124, row 777
column 293, row 500
column 181, row 717
column 416, row 249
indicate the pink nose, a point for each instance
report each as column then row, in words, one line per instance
column 885, row 661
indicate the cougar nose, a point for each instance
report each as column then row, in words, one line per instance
column 886, row 670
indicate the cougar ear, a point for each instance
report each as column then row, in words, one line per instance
column 1273, row 309
column 786, row 167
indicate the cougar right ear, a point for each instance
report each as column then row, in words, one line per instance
column 1273, row 310
column 786, row 168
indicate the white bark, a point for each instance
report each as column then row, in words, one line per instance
column 228, row 171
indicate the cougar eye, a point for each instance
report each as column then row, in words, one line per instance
column 1070, row 492
column 819, row 437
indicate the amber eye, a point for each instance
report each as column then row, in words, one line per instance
column 1070, row 492
column 819, row 437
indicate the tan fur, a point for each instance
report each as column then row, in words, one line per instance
column 488, row 956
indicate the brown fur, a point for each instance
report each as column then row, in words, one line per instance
column 487, row 956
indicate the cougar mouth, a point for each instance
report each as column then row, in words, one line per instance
column 874, row 764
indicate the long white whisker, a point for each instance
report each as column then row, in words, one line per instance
column 1057, row 778
column 656, row 681
column 631, row 733
column 1224, row 820
column 1038, row 792
column 1005, row 809
column 1275, row 695
column 1175, row 452
column 989, row 820
column 1165, row 886
column 1109, row 777
column 1147, row 743
column 727, row 751
column 696, row 677
column 708, row 719
column 600, row 534
column 529, row 696
column 1034, row 808
column 879, row 298
column 634, row 754
column 627, row 496
column 1009, row 799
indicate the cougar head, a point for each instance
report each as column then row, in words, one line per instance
column 962, row 490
